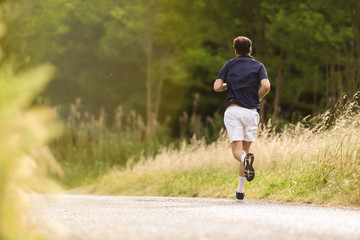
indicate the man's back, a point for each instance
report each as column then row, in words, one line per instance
column 242, row 76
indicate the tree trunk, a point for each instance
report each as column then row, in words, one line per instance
column 349, row 70
column 262, row 57
column 355, row 15
column 358, row 65
column 279, row 79
column 158, row 99
column 315, row 88
column 162, row 76
column 149, row 117
column 327, row 80
column 339, row 81
column 333, row 97
column 262, row 111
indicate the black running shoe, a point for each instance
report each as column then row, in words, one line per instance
column 240, row 195
column 249, row 170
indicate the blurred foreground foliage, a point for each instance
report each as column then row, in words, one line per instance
column 25, row 160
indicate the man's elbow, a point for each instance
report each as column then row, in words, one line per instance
column 217, row 87
column 266, row 85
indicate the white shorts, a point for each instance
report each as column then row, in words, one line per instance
column 241, row 123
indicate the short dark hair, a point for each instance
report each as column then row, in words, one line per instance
column 242, row 45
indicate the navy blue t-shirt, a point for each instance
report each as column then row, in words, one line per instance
column 242, row 76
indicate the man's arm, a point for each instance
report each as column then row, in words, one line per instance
column 219, row 85
column 264, row 89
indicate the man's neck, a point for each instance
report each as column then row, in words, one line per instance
column 238, row 55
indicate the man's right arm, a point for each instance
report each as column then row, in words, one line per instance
column 219, row 85
column 264, row 89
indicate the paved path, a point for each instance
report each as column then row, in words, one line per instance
column 112, row 217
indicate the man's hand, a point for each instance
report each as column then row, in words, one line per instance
column 219, row 85
column 264, row 89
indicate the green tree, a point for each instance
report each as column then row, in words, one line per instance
column 153, row 56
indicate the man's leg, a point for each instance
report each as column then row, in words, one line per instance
column 238, row 151
column 246, row 146
column 249, row 159
column 239, row 154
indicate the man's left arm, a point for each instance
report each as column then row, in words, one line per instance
column 219, row 85
column 264, row 88
column 264, row 82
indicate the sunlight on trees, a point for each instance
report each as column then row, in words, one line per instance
column 150, row 56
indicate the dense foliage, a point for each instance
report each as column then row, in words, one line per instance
column 153, row 56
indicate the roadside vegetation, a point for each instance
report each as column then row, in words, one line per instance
column 314, row 161
column 92, row 144
column 25, row 160
column 25, row 130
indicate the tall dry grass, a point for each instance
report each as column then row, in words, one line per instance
column 316, row 160
column 92, row 144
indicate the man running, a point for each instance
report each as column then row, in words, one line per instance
column 247, row 83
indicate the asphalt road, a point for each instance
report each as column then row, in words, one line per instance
column 113, row 217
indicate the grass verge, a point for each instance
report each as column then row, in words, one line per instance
column 319, row 164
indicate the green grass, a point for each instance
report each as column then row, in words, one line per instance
column 186, row 184
column 306, row 184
